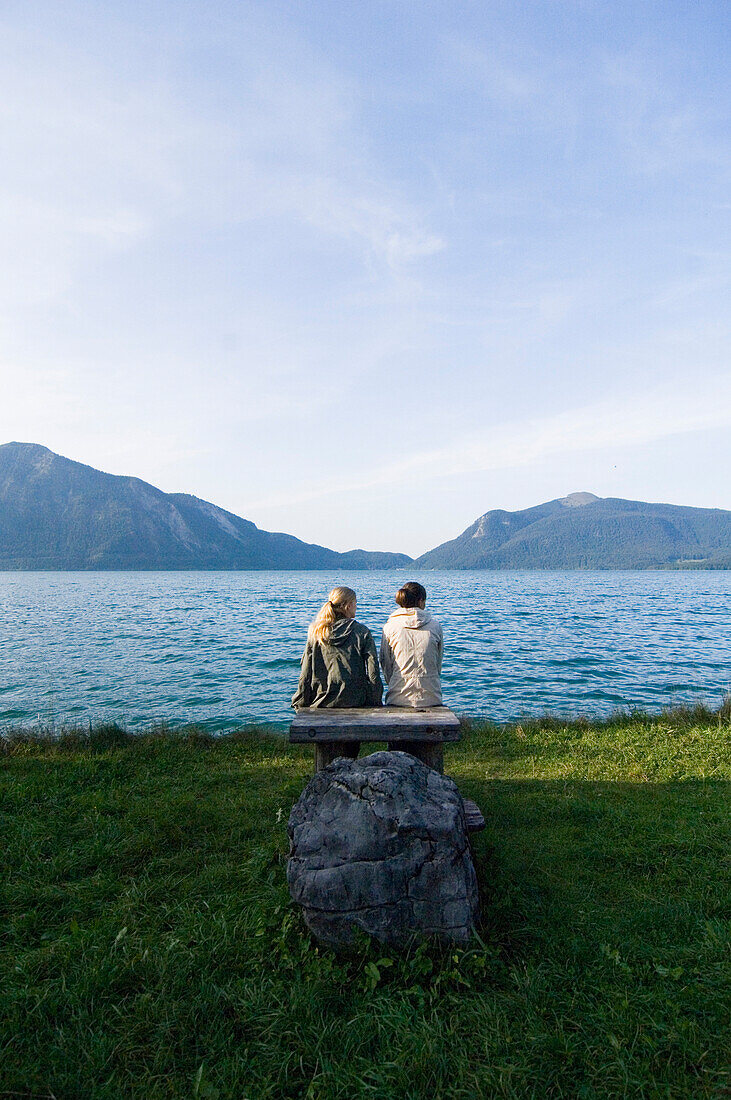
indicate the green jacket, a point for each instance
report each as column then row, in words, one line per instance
column 344, row 673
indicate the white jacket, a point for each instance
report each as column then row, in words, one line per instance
column 411, row 659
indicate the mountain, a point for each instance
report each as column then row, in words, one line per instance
column 583, row 531
column 60, row 514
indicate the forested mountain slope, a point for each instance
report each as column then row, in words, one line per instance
column 60, row 514
column 583, row 531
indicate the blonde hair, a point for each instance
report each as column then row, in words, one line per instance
column 322, row 627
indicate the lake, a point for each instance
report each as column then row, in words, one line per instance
column 222, row 649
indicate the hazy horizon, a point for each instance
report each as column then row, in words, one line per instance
column 363, row 272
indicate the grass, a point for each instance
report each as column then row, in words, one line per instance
column 148, row 948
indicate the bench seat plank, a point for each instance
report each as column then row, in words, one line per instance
column 473, row 816
column 405, row 724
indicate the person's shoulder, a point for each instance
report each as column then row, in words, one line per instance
column 361, row 629
column 391, row 626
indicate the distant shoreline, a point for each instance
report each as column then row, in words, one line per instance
column 678, row 567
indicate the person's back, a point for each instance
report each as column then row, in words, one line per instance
column 339, row 664
column 411, row 652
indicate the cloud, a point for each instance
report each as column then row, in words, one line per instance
column 655, row 125
column 641, row 106
column 506, row 82
column 390, row 231
column 633, row 420
column 100, row 155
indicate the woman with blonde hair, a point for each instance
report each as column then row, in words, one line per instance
column 340, row 663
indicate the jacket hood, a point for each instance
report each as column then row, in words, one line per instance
column 412, row 617
column 342, row 630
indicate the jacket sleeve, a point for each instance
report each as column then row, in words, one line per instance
column 440, row 650
column 303, row 695
column 386, row 656
column 374, row 688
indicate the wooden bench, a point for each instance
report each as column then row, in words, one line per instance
column 340, row 731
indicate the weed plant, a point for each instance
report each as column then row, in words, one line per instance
column 148, row 947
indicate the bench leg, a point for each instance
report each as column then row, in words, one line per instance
column 327, row 751
column 429, row 752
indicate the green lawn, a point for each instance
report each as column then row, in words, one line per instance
column 148, row 948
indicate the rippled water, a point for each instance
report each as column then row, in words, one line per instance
column 224, row 648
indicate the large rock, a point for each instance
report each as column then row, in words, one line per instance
column 380, row 844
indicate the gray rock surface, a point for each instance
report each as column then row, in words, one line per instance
column 380, row 844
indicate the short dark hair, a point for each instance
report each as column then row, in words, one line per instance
column 411, row 594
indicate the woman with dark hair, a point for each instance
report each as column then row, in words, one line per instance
column 411, row 652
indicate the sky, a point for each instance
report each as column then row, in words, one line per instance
column 363, row 270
